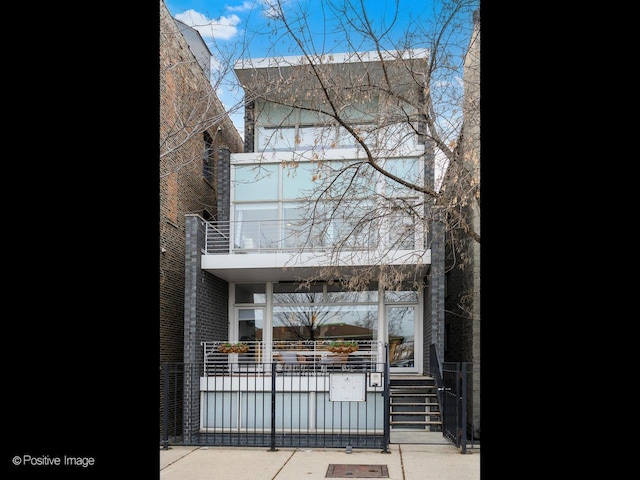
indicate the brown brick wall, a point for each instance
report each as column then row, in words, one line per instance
column 188, row 108
column 185, row 96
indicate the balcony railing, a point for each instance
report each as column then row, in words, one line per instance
column 306, row 357
column 275, row 236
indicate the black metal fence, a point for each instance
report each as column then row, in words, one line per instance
column 270, row 407
column 171, row 402
column 452, row 381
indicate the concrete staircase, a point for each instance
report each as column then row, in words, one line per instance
column 414, row 403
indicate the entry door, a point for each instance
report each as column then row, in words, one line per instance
column 402, row 331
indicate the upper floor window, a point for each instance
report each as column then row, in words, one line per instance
column 276, row 138
column 206, row 214
column 256, row 182
column 321, row 204
column 383, row 127
column 208, row 158
column 301, row 137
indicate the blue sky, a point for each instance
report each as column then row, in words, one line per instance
column 230, row 21
column 243, row 29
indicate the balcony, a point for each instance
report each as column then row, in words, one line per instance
column 276, row 236
column 262, row 250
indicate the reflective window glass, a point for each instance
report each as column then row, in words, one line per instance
column 284, row 293
column 325, row 322
column 256, row 182
column 401, row 296
column 250, row 293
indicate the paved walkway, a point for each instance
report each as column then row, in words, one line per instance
column 404, row 462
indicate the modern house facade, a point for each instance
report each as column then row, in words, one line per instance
column 275, row 268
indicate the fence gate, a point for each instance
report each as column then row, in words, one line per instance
column 453, row 400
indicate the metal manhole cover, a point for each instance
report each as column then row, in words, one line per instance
column 357, row 471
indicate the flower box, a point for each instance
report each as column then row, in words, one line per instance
column 343, row 347
column 233, row 348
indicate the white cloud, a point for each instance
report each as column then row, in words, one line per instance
column 223, row 28
column 272, row 10
column 242, row 8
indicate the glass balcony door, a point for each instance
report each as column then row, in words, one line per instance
column 402, row 328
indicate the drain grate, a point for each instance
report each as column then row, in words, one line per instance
column 357, row 471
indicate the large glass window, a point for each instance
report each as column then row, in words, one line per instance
column 354, row 224
column 316, row 136
column 356, row 177
column 250, row 293
column 345, row 139
column 257, row 226
column 299, row 181
column 409, row 169
column 288, row 293
column 400, row 226
column 336, row 295
column 299, row 231
column 277, row 205
column 318, row 314
column 405, row 296
column 282, row 138
column 326, row 313
column 256, row 182
column 284, row 128
column 250, row 324
column 325, row 322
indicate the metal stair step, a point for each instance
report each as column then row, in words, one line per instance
column 412, row 387
column 415, row 422
column 415, row 413
column 413, row 394
column 421, row 391
column 425, row 395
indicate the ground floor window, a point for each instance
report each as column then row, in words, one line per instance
column 273, row 312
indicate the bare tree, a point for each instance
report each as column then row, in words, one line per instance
column 302, row 322
column 189, row 101
column 303, row 316
column 395, row 87
column 398, row 84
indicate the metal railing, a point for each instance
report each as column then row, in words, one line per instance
column 307, row 357
column 452, row 385
column 171, row 402
column 269, row 236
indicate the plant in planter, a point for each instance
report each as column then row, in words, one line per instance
column 233, row 347
column 343, row 347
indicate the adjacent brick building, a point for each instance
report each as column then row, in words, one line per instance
column 195, row 134
column 462, row 301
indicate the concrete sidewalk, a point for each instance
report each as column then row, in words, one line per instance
column 404, row 462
